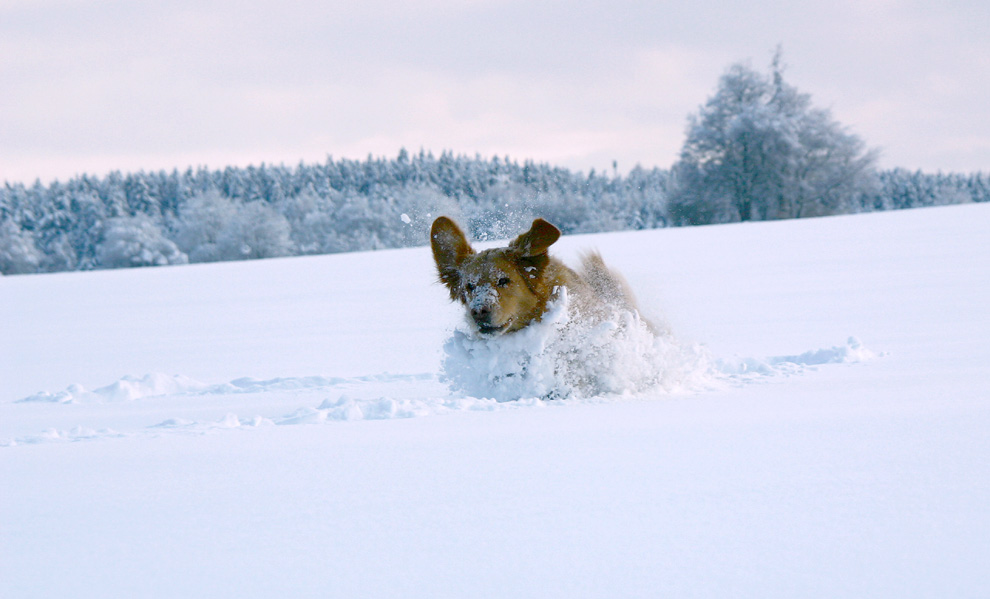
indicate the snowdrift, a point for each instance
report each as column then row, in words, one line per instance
column 324, row 427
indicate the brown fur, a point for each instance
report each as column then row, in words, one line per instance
column 506, row 289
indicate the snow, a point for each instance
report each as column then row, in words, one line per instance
column 569, row 355
column 289, row 427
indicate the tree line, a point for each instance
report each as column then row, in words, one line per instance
column 757, row 150
column 201, row 215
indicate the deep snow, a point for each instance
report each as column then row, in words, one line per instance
column 282, row 427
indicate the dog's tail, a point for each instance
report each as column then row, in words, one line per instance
column 610, row 286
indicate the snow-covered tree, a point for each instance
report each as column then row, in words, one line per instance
column 759, row 150
column 415, row 208
column 131, row 241
column 18, row 253
column 256, row 231
column 202, row 219
column 310, row 217
column 89, row 215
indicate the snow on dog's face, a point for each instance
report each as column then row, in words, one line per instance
column 503, row 289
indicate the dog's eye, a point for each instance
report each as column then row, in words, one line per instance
column 469, row 287
column 504, row 282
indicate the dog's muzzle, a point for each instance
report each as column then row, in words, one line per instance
column 482, row 308
column 482, row 317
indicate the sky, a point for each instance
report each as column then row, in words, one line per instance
column 92, row 86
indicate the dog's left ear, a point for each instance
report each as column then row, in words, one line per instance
column 537, row 240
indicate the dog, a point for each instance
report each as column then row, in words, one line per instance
column 507, row 289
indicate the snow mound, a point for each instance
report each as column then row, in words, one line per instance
column 305, row 383
column 566, row 356
column 53, row 435
column 853, row 352
column 128, row 388
column 346, row 408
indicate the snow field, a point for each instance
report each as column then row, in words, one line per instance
column 284, row 452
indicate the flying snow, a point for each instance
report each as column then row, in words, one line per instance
column 565, row 356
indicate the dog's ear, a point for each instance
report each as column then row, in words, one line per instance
column 537, row 240
column 450, row 247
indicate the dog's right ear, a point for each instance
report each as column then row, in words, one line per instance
column 533, row 243
column 450, row 247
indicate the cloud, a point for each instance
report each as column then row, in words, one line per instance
column 95, row 86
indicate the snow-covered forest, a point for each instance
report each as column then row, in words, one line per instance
column 159, row 218
column 757, row 150
column 145, row 219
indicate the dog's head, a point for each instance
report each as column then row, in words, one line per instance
column 502, row 289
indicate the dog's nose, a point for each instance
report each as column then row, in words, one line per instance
column 481, row 313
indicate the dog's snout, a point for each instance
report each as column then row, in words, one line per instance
column 484, row 318
column 481, row 303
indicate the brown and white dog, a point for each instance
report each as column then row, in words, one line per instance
column 506, row 289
